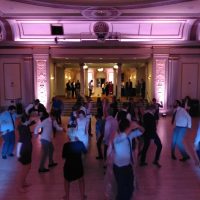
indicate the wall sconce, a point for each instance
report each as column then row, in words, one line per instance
column 66, row 77
column 134, row 77
column 149, row 77
column 52, row 78
column 85, row 66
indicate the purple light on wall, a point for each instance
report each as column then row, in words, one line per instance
column 160, row 80
column 41, row 82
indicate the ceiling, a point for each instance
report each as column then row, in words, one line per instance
column 113, row 3
column 129, row 22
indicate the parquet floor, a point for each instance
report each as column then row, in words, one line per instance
column 174, row 181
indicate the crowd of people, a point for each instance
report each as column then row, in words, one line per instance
column 72, row 89
column 119, row 131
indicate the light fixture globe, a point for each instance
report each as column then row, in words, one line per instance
column 101, row 30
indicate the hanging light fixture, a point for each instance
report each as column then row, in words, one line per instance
column 115, row 66
column 100, row 69
column 85, row 66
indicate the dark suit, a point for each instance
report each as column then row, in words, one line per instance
column 150, row 133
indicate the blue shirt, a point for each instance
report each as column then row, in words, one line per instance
column 6, row 123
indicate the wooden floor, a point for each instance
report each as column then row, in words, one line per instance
column 174, row 181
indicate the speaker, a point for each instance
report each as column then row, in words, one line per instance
column 57, row 30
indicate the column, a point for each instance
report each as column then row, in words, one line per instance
column 82, row 81
column 173, row 83
column 160, row 79
column 86, row 81
column 28, row 87
column 41, row 78
column 115, row 82
column 119, row 81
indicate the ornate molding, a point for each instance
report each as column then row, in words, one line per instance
column 101, row 13
column 41, row 78
column 160, row 80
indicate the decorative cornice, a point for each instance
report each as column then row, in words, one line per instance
column 101, row 13
column 120, row 4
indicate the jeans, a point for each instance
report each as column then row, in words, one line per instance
column 124, row 178
column 9, row 143
column 177, row 139
column 47, row 151
column 198, row 151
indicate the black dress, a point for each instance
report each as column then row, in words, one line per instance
column 26, row 149
column 73, row 167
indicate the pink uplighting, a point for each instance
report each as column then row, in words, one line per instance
column 42, row 81
column 160, row 80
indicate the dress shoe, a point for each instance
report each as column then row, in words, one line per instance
column 43, row 170
column 53, row 164
column 184, row 158
column 157, row 164
column 143, row 164
column 4, row 157
column 11, row 155
column 173, row 157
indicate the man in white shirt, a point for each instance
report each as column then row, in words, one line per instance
column 123, row 158
column 7, row 127
column 182, row 123
column 46, row 141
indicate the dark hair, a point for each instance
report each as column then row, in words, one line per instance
column 110, row 111
column 98, row 116
column 178, row 103
column 123, row 125
column 24, row 118
column 37, row 101
column 44, row 116
column 11, row 107
column 125, row 105
column 154, row 99
column 81, row 112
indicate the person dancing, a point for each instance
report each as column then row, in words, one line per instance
column 73, row 167
column 24, row 150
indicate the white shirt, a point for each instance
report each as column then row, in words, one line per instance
column 182, row 118
column 197, row 138
column 122, row 148
column 47, row 125
column 90, row 85
column 6, row 123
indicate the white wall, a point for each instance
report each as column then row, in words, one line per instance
column 189, row 77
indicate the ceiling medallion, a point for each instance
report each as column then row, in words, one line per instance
column 101, row 13
column 101, row 30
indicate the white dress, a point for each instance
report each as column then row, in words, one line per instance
column 81, row 132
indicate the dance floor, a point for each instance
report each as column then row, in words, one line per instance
column 175, row 180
